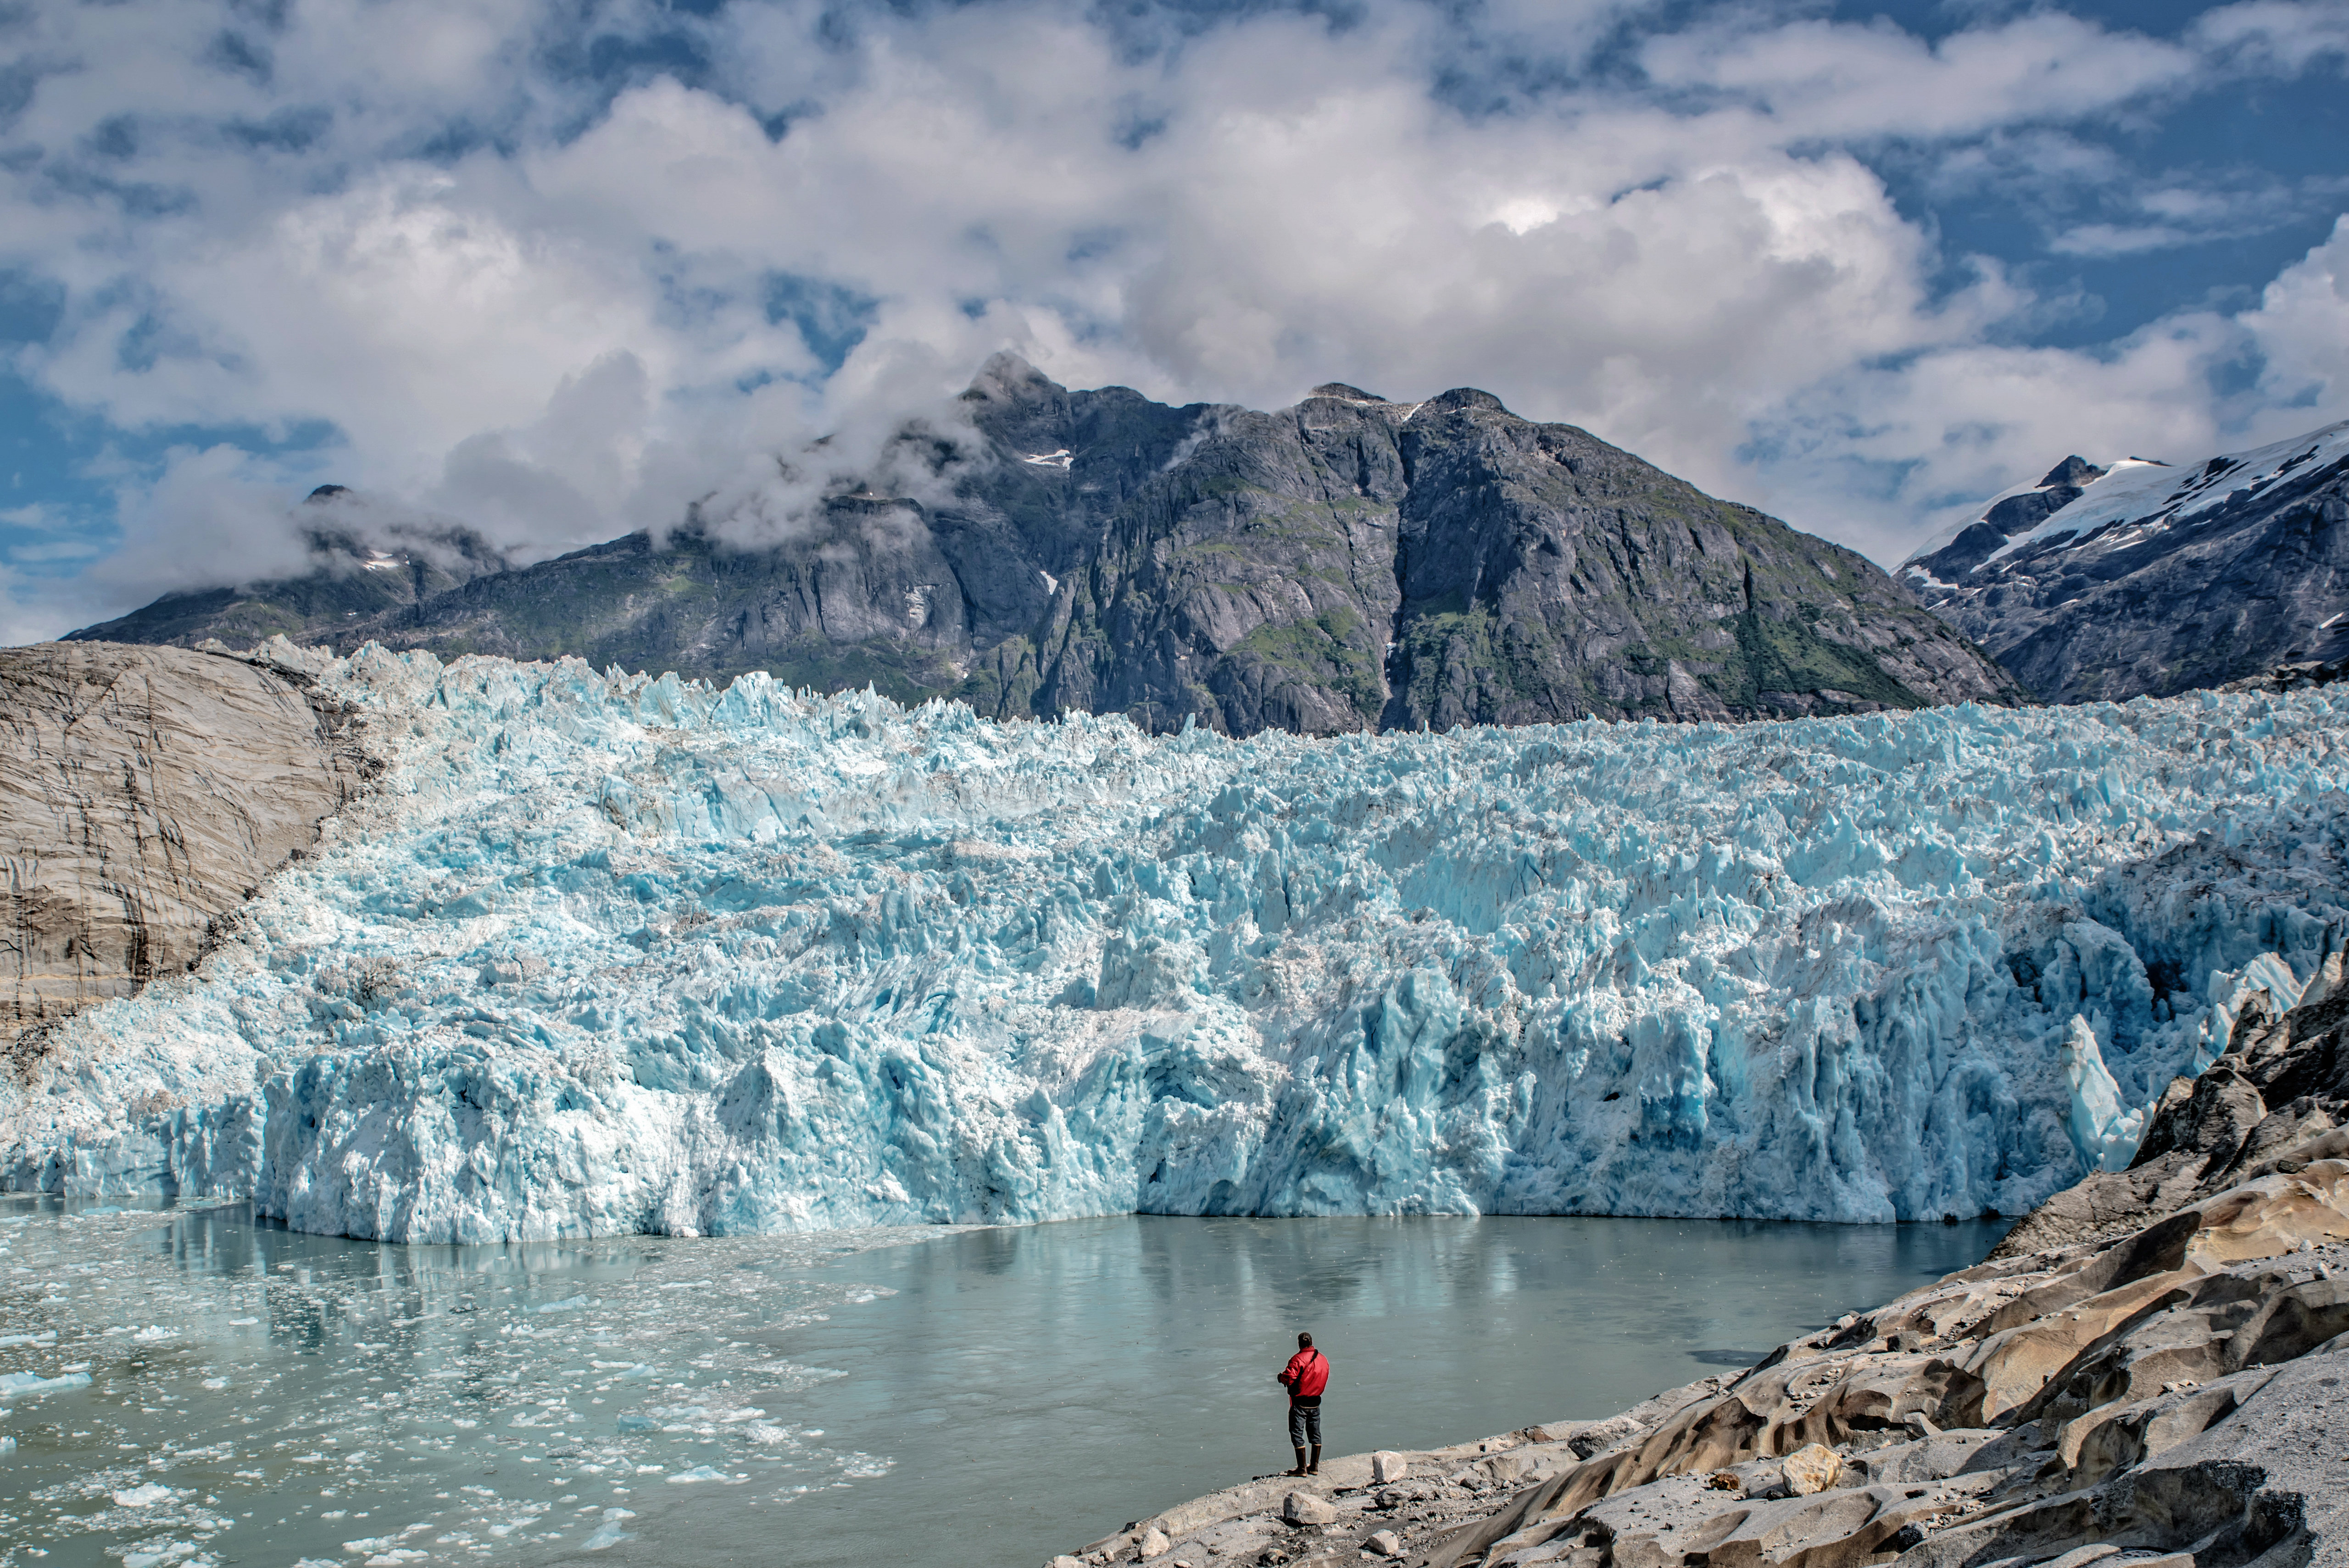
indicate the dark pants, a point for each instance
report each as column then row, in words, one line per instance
column 1305, row 1425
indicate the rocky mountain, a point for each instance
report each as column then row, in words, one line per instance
column 363, row 566
column 144, row 793
column 2152, row 579
column 1349, row 564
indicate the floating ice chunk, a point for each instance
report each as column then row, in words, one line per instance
column 7, row 1340
column 155, row 1331
column 569, row 1303
column 165, row 1555
column 216, row 1383
column 697, row 1473
column 15, row 1384
column 609, row 1532
column 145, row 1495
column 7, row 1445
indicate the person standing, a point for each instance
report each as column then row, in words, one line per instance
column 1307, row 1374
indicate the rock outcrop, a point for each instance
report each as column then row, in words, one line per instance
column 2150, row 579
column 2153, row 1370
column 1349, row 564
column 145, row 793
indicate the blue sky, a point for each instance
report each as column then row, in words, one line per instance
column 557, row 268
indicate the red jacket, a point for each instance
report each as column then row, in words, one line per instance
column 1307, row 1374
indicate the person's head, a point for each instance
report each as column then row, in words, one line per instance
column 1305, row 1342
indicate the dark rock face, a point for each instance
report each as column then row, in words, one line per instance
column 1349, row 564
column 2175, row 579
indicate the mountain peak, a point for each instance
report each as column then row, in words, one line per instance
column 1465, row 397
column 2072, row 470
column 1007, row 376
column 2147, row 579
column 1208, row 563
column 1339, row 389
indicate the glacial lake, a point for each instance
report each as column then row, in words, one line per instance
column 915, row 1397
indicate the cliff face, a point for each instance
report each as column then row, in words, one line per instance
column 2150, row 579
column 1349, row 564
column 143, row 793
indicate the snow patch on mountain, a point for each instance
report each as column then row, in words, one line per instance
column 2142, row 490
column 608, row 953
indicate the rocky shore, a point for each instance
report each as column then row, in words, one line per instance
column 2153, row 1368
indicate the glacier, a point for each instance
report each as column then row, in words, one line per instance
column 605, row 955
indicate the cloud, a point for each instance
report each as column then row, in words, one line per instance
column 214, row 515
column 563, row 274
column 2281, row 36
column 1818, row 78
column 2302, row 327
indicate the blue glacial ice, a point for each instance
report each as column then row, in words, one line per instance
column 607, row 954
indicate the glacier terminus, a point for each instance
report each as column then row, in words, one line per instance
column 603, row 953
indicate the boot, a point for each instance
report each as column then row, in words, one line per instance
column 1300, row 1469
column 1315, row 1468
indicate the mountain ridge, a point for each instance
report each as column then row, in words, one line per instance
column 2152, row 578
column 1348, row 564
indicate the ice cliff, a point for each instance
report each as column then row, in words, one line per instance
column 605, row 953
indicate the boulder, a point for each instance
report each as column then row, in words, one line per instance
column 1154, row 1543
column 1384, row 1544
column 1814, row 1468
column 1387, row 1467
column 1303, row 1508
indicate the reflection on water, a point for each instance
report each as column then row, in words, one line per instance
column 259, row 1397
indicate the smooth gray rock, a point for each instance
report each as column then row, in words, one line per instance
column 145, row 793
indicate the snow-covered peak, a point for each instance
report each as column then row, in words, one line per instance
column 2059, row 485
column 2155, row 576
column 2141, row 490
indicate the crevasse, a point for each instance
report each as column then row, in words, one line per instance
column 608, row 953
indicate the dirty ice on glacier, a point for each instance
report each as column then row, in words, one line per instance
column 608, row 953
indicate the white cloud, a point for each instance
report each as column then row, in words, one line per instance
column 546, row 313
column 2303, row 329
column 2287, row 36
column 1818, row 78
